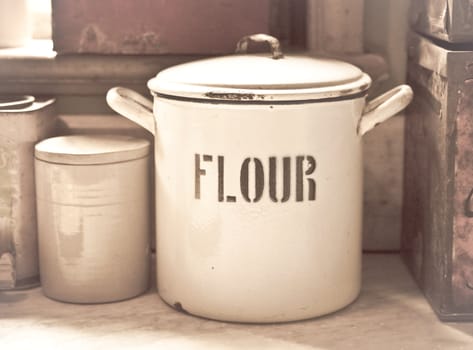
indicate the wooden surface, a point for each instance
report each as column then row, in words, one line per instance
column 390, row 313
column 155, row 27
column 383, row 149
column 36, row 69
column 385, row 28
column 335, row 26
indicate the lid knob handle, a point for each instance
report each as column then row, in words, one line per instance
column 242, row 45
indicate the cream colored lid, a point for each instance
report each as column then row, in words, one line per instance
column 91, row 149
column 261, row 77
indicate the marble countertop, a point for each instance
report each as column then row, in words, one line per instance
column 391, row 313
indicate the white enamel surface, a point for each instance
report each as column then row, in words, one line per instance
column 262, row 71
column 262, row 261
column 288, row 78
column 91, row 149
column 93, row 227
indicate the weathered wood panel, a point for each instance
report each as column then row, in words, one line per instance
column 382, row 192
column 155, row 27
column 335, row 26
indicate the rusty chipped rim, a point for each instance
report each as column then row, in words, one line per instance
column 208, row 93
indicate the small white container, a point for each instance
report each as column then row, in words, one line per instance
column 93, row 217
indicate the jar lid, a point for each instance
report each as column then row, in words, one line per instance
column 91, row 149
column 16, row 102
column 261, row 77
column 10, row 105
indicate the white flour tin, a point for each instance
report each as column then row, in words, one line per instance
column 259, row 181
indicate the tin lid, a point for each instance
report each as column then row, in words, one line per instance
column 261, row 77
column 91, row 149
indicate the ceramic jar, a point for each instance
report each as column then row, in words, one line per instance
column 93, row 217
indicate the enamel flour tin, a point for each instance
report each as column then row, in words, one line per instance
column 259, row 181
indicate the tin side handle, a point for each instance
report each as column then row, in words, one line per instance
column 384, row 107
column 242, row 45
column 132, row 106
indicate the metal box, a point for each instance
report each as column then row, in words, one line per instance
column 437, row 237
column 448, row 20
column 20, row 128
